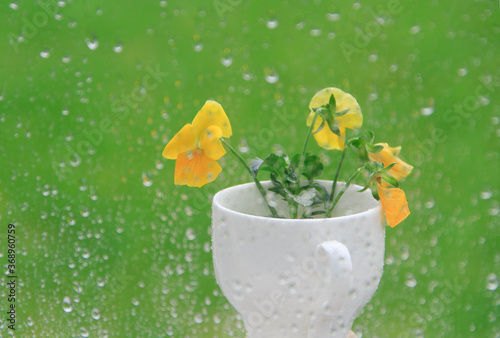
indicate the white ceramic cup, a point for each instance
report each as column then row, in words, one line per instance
column 297, row 277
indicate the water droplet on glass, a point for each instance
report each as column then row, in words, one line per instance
column 272, row 75
column 462, row 72
column 198, row 47
column 492, row 282
column 486, row 194
column 315, row 32
column 430, row 203
column 92, row 44
column 84, row 212
column 198, row 318
column 190, row 234
column 45, row 54
column 118, row 48
column 272, row 24
column 14, row 6
column 100, row 282
column 95, row 314
column 415, row 30
column 135, row 301
column 85, row 254
column 227, row 61
column 427, row 111
column 333, row 16
column 147, row 181
column 411, row 282
column 243, row 146
column 67, row 304
column 77, row 287
column 84, row 332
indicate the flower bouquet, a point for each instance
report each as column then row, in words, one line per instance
column 295, row 255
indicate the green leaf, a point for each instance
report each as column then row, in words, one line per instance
column 305, row 197
column 373, row 148
column 332, row 104
column 312, row 166
column 390, row 179
column 367, row 184
column 343, row 112
column 276, row 162
column 255, row 165
column 335, row 129
column 320, row 127
column 370, row 136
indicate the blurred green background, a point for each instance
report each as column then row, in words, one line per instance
column 90, row 93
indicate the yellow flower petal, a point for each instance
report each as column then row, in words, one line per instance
column 344, row 101
column 212, row 114
column 324, row 136
column 388, row 156
column 210, row 142
column 186, row 139
column 394, row 204
column 195, row 169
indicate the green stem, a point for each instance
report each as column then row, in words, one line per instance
column 302, row 159
column 334, row 186
column 341, row 192
column 257, row 182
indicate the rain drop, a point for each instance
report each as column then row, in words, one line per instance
column 92, row 44
column 198, row 318
column 227, row 61
column 95, row 314
column 272, row 24
column 333, row 16
column 411, row 282
column 272, row 75
column 198, row 47
column 67, row 305
column 427, row 111
column 486, row 194
column 243, row 146
column 315, row 32
column 45, row 54
column 118, row 48
column 147, row 181
column 415, row 30
column 492, row 282
column 190, row 234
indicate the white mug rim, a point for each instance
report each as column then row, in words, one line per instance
column 217, row 197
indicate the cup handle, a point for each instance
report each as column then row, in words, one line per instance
column 335, row 265
column 334, row 268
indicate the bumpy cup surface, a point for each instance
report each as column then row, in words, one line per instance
column 297, row 278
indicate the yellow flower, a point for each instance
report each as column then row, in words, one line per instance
column 388, row 156
column 393, row 200
column 197, row 146
column 352, row 119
